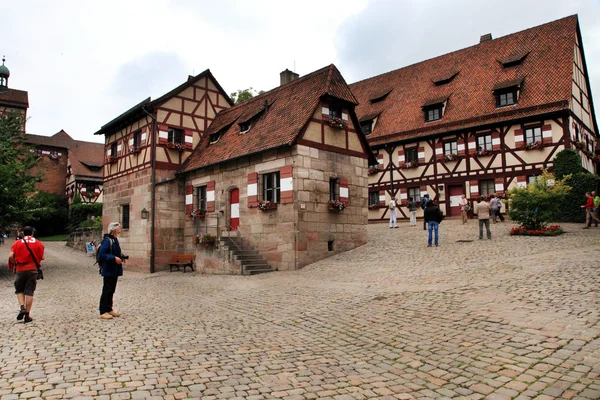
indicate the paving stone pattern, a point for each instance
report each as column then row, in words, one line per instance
column 509, row 318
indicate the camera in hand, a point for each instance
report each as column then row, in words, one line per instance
column 124, row 257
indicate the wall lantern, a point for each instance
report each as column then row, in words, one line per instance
column 441, row 188
column 144, row 213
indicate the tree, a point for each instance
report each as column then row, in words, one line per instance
column 17, row 183
column 48, row 213
column 244, row 94
column 534, row 206
column 567, row 162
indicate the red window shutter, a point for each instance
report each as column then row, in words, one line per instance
column 547, row 134
column 496, row 141
column 252, row 189
column 380, row 161
column 189, row 199
column 210, row 196
column 439, row 151
column 472, row 145
column 344, row 192
column 401, row 158
column 499, row 186
column 189, row 139
column 163, row 134
column 474, row 188
column 522, row 181
column 403, row 196
column 421, row 154
column 460, row 144
column 519, row 139
column 423, row 190
column 286, row 182
column 382, row 198
column 325, row 116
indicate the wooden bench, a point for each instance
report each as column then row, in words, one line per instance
column 182, row 260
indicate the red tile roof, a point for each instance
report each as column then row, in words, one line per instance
column 277, row 117
column 547, row 70
column 14, row 98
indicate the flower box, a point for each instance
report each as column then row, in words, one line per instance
column 451, row 157
column 336, row 206
column 579, row 145
column 176, row 146
column 204, row 240
column 410, row 164
column 336, row 122
column 483, row 153
column 111, row 160
column 134, row 150
column 552, row 230
column 534, row 146
column 197, row 214
column 265, row 205
column 374, row 206
column 373, row 169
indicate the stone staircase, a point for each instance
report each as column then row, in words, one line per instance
column 244, row 255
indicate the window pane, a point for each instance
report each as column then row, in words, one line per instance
column 202, row 198
column 113, row 149
column 412, row 154
column 373, row 198
column 415, row 193
column 271, row 187
column 487, row 187
column 450, row 148
column 484, row 142
column 125, row 223
column 366, row 127
column 175, row 135
column 137, row 139
column 333, row 189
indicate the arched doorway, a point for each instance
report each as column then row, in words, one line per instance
column 234, row 209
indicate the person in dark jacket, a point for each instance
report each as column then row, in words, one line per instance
column 111, row 261
column 424, row 201
column 433, row 217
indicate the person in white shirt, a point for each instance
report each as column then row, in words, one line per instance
column 393, row 208
column 464, row 203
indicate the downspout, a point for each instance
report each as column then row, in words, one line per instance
column 152, row 191
column 390, row 152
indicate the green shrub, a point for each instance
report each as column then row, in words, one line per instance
column 79, row 213
column 567, row 162
column 49, row 213
column 569, row 207
column 534, row 206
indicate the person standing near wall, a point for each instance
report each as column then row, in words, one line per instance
column 412, row 209
column 111, row 260
column 393, row 207
column 433, row 217
column 25, row 256
column 483, row 213
column 464, row 204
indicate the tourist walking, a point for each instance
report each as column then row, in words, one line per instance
column 25, row 257
column 483, row 213
column 393, row 207
column 596, row 207
column 111, row 261
column 432, row 216
column 495, row 208
column 424, row 202
column 412, row 209
column 590, row 214
column 464, row 208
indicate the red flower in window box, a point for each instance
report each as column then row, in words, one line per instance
column 336, row 206
column 200, row 214
column 373, row 169
column 410, row 164
column 134, row 150
column 265, row 205
column 534, row 146
column 451, row 157
column 336, row 122
column 483, row 153
column 111, row 160
column 176, row 146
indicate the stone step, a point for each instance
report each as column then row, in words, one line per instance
column 258, row 271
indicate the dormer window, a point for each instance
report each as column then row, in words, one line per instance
column 380, row 96
column 507, row 93
column 444, row 79
column 245, row 126
column 335, row 112
column 214, row 138
column 513, row 60
column 367, row 127
column 434, row 109
column 507, row 97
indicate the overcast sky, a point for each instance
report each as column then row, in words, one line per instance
column 84, row 62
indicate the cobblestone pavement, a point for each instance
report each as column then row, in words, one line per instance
column 500, row 319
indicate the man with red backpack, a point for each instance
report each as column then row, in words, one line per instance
column 25, row 257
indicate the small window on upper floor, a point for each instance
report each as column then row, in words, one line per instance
column 487, row 187
column 367, row 127
column 373, row 198
column 450, row 148
column 137, row 139
column 125, row 217
column 433, row 113
column 411, row 154
column 214, row 138
column 175, row 135
column 507, row 97
column 202, row 199
column 334, row 189
column 484, row 142
column 335, row 112
column 271, row 187
column 533, row 135
column 113, row 149
column 415, row 193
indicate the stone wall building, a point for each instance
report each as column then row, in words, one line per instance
column 480, row 120
column 12, row 100
column 297, row 147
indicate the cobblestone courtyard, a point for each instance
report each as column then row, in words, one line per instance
column 501, row 319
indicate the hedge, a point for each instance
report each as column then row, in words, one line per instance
column 569, row 209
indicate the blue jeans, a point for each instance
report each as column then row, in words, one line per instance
column 433, row 227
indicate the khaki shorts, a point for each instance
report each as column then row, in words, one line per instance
column 25, row 282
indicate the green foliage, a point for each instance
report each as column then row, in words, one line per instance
column 79, row 213
column 534, row 206
column 76, row 198
column 96, row 223
column 48, row 213
column 243, row 95
column 16, row 178
column 569, row 207
column 567, row 162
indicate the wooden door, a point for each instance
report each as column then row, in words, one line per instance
column 455, row 193
column 234, row 200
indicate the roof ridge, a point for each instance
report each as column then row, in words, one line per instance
column 466, row 48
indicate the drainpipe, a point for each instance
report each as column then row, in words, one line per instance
column 390, row 152
column 153, row 191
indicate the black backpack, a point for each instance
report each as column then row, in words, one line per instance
column 97, row 248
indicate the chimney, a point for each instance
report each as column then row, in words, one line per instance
column 485, row 38
column 287, row 76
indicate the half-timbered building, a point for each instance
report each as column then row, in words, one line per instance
column 144, row 147
column 480, row 120
column 285, row 171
